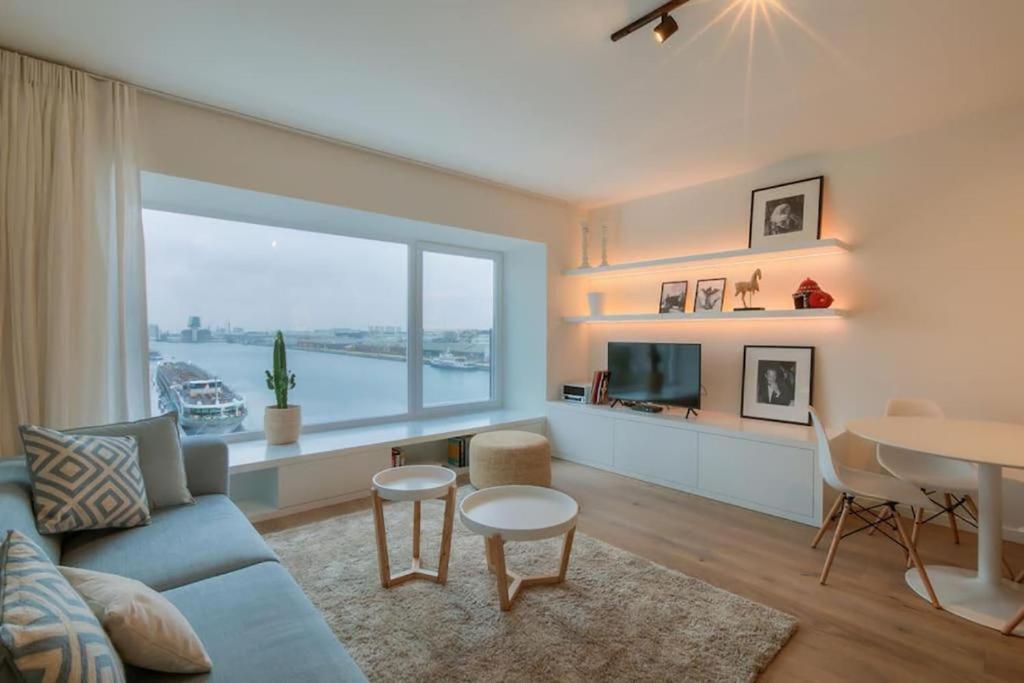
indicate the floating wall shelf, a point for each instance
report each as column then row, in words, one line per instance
column 825, row 247
column 802, row 314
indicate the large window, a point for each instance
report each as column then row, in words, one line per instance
column 218, row 290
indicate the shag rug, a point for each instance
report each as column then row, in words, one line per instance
column 617, row 617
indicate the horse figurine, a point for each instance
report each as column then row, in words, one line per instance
column 751, row 288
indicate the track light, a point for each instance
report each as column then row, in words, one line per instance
column 665, row 28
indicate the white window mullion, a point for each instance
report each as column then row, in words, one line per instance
column 414, row 331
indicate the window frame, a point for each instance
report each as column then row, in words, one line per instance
column 415, row 408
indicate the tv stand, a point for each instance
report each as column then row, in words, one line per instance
column 763, row 466
column 691, row 410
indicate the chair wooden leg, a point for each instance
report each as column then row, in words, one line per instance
column 971, row 507
column 916, row 559
column 446, row 535
column 952, row 519
column 382, row 540
column 1014, row 622
column 881, row 518
column 827, row 522
column 836, row 536
column 918, row 522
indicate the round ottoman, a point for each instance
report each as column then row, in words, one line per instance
column 509, row 457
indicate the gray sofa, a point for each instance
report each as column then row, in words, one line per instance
column 255, row 621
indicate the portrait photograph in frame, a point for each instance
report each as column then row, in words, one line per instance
column 778, row 383
column 786, row 214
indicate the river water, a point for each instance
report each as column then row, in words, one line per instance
column 329, row 387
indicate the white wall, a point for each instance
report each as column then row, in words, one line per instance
column 196, row 143
column 937, row 225
column 934, row 281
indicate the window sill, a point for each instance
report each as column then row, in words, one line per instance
column 247, row 456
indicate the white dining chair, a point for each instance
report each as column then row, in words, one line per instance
column 954, row 481
column 861, row 494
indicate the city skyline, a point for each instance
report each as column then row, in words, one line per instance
column 260, row 278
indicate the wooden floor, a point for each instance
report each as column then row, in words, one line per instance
column 865, row 625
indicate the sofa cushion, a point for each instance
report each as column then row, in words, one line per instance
column 163, row 467
column 47, row 633
column 146, row 629
column 182, row 544
column 83, row 481
column 258, row 625
column 16, row 507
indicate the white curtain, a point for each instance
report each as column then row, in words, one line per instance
column 73, row 346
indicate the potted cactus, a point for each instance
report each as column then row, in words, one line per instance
column 281, row 422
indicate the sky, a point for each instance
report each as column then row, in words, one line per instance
column 265, row 278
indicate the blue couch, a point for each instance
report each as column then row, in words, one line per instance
column 255, row 621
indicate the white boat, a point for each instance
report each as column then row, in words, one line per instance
column 205, row 405
column 450, row 361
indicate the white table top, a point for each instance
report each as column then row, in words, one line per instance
column 519, row 513
column 413, row 482
column 977, row 441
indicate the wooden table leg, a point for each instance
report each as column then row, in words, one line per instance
column 416, row 515
column 446, row 534
column 488, row 554
column 498, row 553
column 382, row 540
column 566, row 551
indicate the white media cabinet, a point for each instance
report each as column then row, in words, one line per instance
column 329, row 467
column 763, row 466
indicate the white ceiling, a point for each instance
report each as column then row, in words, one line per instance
column 533, row 94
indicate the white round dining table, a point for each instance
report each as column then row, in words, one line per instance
column 982, row 596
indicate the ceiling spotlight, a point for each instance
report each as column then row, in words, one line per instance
column 665, row 28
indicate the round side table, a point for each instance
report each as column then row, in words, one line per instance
column 416, row 483
column 519, row 513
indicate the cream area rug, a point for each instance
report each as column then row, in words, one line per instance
column 617, row 617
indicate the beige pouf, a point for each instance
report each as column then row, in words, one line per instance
column 509, row 457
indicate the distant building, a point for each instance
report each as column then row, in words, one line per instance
column 195, row 333
column 154, row 332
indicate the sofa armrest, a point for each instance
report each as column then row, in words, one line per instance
column 206, row 465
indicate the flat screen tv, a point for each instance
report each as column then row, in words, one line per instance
column 666, row 374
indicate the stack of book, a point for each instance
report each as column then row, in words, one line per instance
column 397, row 457
column 458, row 451
column 599, row 387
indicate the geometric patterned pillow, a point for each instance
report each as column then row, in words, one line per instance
column 84, row 482
column 47, row 632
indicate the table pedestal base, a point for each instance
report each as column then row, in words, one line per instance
column 961, row 592
column 510, row 583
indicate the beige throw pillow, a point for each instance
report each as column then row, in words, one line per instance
column 147, row 630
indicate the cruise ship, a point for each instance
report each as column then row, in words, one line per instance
column 205, row 405
column 449, row 361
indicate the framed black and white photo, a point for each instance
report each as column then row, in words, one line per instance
column 777, row 383
column 709, row 295
column 786, row 214
column 673, row 297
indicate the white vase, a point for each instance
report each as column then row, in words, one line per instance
column 595, row 300
column 282, row 425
